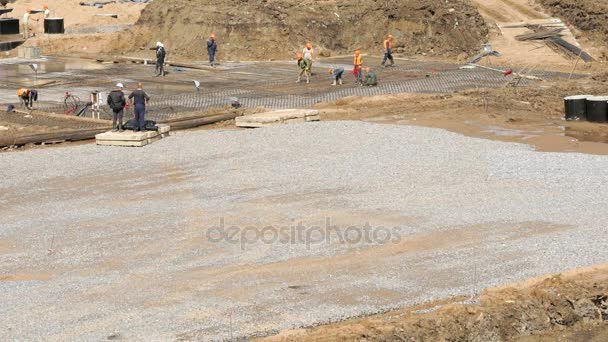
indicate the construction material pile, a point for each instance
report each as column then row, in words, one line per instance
column 587, row 16
column 551, row 34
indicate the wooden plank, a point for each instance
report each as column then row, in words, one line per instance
column 74, row 135
column 200, row 121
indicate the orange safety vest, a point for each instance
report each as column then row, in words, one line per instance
column 388, row 44
column 21, row 92
column 358, row 62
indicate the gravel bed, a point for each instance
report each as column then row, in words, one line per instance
column 99, row 242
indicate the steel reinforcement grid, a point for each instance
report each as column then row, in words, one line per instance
column 275, row 89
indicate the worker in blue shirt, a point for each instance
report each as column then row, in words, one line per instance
column 211, row 49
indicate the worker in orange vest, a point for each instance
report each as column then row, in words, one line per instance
column 27, row 97
column 358, row 67
column 388, row 51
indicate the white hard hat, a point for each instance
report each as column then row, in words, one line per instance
column 120, row 85
column 159, row 44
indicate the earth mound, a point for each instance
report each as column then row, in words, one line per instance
column 588, row 16
column 250, row 30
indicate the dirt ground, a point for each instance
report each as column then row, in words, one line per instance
column 75, row 15
column 280, row 28
column 572, row 306
column 79, row 22
column 501, row 17
column 589, row 17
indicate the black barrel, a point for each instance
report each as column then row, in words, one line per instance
column 9, row 26
column 8, row 46
column 576, row 107
column 53, row 26
column 597, row 109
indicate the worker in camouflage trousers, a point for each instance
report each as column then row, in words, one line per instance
column 308, row 54
column 388, row 51
column 371, row 80
column 304, row 66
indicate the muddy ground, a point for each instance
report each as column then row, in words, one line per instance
column 531, row 115
column 565, row 307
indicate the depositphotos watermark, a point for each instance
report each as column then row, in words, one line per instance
column 300, row 234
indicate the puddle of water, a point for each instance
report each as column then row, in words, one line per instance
column 17, row 71
column 586, row 136
column 503, row 132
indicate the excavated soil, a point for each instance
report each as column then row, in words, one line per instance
column 563, row 307
column 249, row 30
column 588, row 16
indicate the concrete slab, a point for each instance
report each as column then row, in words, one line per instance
column 163, row 128
column 122, row 143
column 156, row 138
column 130, row 138
column 28, row 52
column 278, row 117
column 126, row 135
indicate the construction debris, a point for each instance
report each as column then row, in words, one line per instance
column 115, row 16
column 540, row 34
column 569, row 49
column 509, row 72
column 486, row 51
column 97, row 3
column 101, row 3
column 278, row 117
column 553, row 38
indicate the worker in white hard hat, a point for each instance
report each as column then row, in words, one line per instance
column 25, row 23
column 116, row 101
column 47, row 11
column 160, row 58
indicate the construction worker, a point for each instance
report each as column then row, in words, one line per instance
column 27, row 97
column 211, row 49
column 388, row 51
column 117, row 102
column 139, row 99
column 160, row 58
column 304, row 66
column 336, row 74
column 371, row 80
column 308, row 54
column 358, row 68
column 47, row 12
column 26, row 23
